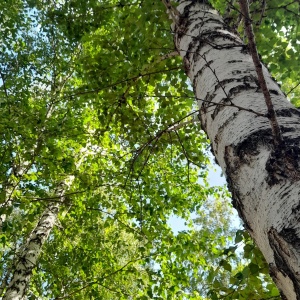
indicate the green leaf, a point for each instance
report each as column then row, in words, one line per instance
column 226, row 265
column 254, row 269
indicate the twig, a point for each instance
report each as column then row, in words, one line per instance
column 101, row 279
column 262, row 13
column 261, row 79
column 285, row 7
column 75, row 94
column 212, row 104
column 293, row 88
column 214, row 72
column 180, row 125
column 189, row 161
column 173, row 12
column 185, row 154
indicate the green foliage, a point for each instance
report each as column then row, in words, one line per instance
column 276, row 25
column 91, row 95
column 229, row 264
column 87, row 105
column 278, row 43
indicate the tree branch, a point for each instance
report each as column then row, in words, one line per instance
column 261, row 79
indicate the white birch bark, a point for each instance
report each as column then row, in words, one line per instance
column 264, row 183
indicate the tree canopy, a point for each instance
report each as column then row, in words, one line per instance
column 98, row 121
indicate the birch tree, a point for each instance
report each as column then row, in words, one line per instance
column 253, row 130
column 29, row 252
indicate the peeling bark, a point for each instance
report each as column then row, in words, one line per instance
column 262, row 176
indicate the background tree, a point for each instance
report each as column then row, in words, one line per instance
column 54, row 109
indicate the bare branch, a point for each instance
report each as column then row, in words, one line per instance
column 293, row 88
column 261, row 79
column 173, row 12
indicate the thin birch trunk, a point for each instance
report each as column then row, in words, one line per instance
column 262, row 177
column 28, row 254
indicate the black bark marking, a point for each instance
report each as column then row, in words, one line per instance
column 186, row 66
column 296, row 209
column 232, row 165
column 184, row 22
column 199, row 73
column 287, row 129
column 221, row 129
column 240, row 89
column 235, row 61
column 274, row 92
column 190, row 50
column 283, row 162
column 208, row 98
column 246, row 80
column 288, row 112
column 222, row 83
column 245, row 49
column 283, row 245
column 249, row 146
column 236, row 72
column 211, row 36
column 220, row 107
column 284, row 194
column 290, row 236
column 200, row 24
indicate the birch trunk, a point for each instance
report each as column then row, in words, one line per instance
column 263, row 179
column 29, row 253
